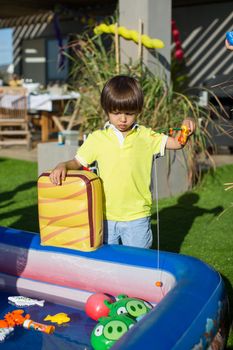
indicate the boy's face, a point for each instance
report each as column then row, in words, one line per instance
column 123, row 121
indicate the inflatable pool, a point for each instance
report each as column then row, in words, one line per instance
column 191, row 308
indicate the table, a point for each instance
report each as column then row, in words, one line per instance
column 45, row 105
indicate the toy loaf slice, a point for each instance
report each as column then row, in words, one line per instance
column 71, row 215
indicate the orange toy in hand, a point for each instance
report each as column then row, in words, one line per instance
column 183, row 135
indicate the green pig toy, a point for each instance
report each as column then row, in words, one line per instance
column 109, row 330
column 133, row 307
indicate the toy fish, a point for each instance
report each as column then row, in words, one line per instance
column 24, row 301
column 58, row 318
column 4, row 332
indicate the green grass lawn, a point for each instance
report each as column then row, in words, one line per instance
column 197, row 223
column 18, row 194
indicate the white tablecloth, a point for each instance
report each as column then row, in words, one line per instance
column 44, row 102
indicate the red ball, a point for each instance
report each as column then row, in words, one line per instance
column 95, row 307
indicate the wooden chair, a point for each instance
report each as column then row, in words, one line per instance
column 67, row 122
column 14, row 120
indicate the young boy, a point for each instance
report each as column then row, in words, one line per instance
column 124, row 152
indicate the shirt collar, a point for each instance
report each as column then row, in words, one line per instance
column 117, row 132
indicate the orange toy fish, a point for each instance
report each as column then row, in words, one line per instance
column 14, row 318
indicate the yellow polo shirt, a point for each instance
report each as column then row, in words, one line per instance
column 125, row 169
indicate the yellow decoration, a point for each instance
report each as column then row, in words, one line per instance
column 129, row 35
column 58, row 318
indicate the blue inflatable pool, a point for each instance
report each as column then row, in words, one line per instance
column 191, row 307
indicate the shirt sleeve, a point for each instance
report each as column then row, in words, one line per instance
column 158, row 143
column 86, row 153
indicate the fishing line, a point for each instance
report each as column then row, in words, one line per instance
column 159, row 282
column 157, row 214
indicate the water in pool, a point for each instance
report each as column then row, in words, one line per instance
column 74, row 335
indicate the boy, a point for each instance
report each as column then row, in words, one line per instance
column 124, row 152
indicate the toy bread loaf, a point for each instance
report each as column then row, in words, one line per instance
column 71, row 215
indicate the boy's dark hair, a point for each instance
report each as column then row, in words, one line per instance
column 122, row 93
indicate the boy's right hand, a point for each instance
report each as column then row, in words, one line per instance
column 58, row 174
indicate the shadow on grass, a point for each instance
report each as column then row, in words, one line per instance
column 176, row 221
column 28, row 215
column 8, row 195
column 28, row 218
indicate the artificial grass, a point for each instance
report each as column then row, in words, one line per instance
column 197, row 223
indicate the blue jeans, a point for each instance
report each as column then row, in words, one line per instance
column 135, row 233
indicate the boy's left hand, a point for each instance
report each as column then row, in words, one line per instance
column 180, row 140
column 191, row 125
